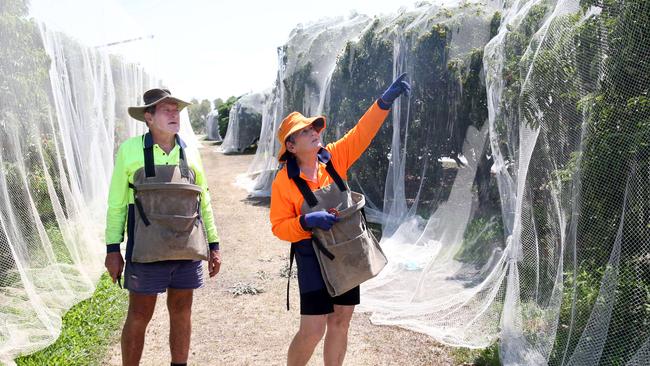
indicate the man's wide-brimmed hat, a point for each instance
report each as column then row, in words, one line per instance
column 292, row 123
column 152, row 97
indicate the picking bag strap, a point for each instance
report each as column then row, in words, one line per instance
column 307, row 194
column 335, row 175
column 144, row 218
column 322, row 248
column 182, row 162
column 138, row 205
column 149, row 167
column 292, row 254
column 149, row 164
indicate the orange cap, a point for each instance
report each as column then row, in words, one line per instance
column 292, row 123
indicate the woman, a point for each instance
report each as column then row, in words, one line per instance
column 292, row 220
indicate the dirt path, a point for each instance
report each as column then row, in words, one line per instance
column 257, row 329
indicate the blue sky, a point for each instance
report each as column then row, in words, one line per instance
column 202, row 49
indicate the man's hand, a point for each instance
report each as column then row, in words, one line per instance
column 214, row 262
column 114, row 264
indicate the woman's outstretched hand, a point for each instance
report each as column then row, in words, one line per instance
column 397, row 88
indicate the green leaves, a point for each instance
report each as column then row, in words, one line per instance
column 197, row 112
column 224, row 114
column 89, row 329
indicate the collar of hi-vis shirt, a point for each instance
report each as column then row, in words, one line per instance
column 293, row 170
column 148, row 142
column 135, row 155
column 160, row 156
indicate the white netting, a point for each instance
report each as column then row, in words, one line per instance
column 212, row 126
column 63, row 110
column 513, row 186
column 244, row 123
column 306, row 64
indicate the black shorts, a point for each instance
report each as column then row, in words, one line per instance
column 320, row 302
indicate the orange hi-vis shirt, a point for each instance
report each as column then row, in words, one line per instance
column 286, row 199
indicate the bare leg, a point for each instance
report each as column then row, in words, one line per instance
column 312, row 328
column 336, row 339
column 179, row 304
column 141, row 309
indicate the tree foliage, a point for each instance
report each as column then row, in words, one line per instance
column 198, row 112
column 224, row 113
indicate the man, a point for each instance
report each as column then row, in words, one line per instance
column 320, row 170
column 160, row 190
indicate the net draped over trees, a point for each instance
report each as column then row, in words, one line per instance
column 512, row 186
column 63, row 112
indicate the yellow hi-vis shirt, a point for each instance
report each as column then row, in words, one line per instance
column 129, row 159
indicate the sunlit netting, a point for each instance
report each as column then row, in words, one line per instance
column 63, row 112
column 440, row 47
column 305, row 64
column 513, row 185
column 212, row 126
column 244, row 123
column 560, row 275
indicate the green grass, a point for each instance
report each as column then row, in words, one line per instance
column 477, row 357
column 89, row 329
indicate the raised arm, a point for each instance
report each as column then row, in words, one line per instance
column 349, row 148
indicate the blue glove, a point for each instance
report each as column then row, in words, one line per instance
column 320, row 219
column 395, row 89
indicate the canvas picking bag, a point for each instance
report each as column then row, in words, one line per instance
column 348, row 253
column 354, row 253
column 168, row 223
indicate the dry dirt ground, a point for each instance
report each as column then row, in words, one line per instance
column 257, row 329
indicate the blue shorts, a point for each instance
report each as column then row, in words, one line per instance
column 157, row 277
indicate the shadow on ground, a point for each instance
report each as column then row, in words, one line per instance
column 257, row 201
